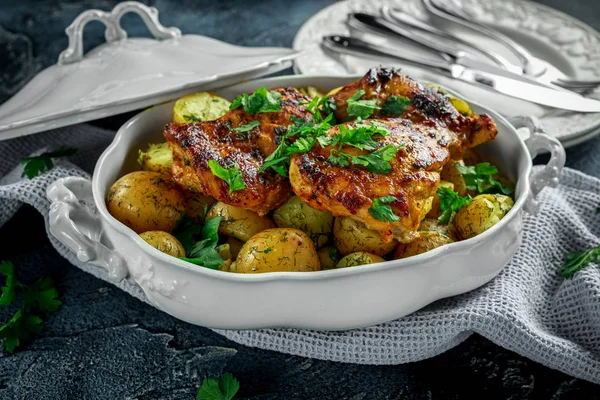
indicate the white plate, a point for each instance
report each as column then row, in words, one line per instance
column 564, row 41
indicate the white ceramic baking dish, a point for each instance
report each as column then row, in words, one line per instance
column 330, row 300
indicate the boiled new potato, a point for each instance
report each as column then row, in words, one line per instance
column 238, row 222
column 294, row 213
column 146, row 201
column 461, row 106
column 359, row 258
column 234, row 246
column 451, row 174
column 199, row 107
column 197, row 205
column 435, row 206
column 424, row 242
column 432, row 224
column 278, row 250
column 351, row 236
column 164, row 242
column 480, row 215
column 224, row 251
column 158, row 158
column 325, row 256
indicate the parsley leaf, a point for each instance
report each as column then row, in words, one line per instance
column 480, row 178
column 231, row 175
column 381, row 211
column 38, row 164
column 450, row 202
column 186, row 231
column 395, row 105
column 577, row 260
column 334, row 254
column 360, row 137
column 224, row 388
column 203, row 252
column 377, row 162
column 247, row 127
column 361, row 108
column 39, row 297
column 258, row 102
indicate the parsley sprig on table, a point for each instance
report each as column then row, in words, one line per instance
column 480, row 178
column 38, row 298
column 382, row 211
column 258, row 102
column 450, row 202
column 223, row 388
column 199, row 241
column 231, row 175
column 577, row 260
column 36, row 165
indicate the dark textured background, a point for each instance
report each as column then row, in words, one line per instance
column 104, row 344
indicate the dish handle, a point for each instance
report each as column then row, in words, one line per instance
column 549, row 175
column 76, row 224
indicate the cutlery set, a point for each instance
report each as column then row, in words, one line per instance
column 532, row 79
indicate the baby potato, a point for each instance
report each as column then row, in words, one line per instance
column 352, row 236
column 158, row 158
column 359, row 258
column 234, row 246
column 294, row 213
column 325, row 257
column 164, row 242
column 198, row 107
column 278, row 250
column 424, row 242
column 432, row 224
column 451, row 174
column 238, row 222
column 196, row 205
column 146, row 201
column 435, row 206
column 480, row 215
column 461, row 106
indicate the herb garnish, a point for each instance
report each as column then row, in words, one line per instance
column 383, row 212
column 577, row 260
column 480, row 178
column 361, row 108
column 247, row 127
column 377, row 162
column 334, row 254
column 258, row 102
column 360, row 137
column 231, row 175
column 223, row 388
column 38, row 164
column 38, row 297
column 395, row 105
column 450, row 202
column 191, row 118
column 203, row 251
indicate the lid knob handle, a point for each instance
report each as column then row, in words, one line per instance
column 114, row 32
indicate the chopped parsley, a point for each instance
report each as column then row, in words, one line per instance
column 38, row 164
column 395, row 105
column 334, row 254
column 231, row 175
column 577, row 260
column 480, row 178
column 377, row 162
column 258, row 102
column 200, row 242
column 361, row 108
column 450, row 202
column 38, row 298
column 247, row 127
column 382, row 211
column 223, row 388
column 360, row 137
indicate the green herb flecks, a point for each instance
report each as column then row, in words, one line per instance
column 361, row 108
column 38, row 298
column 577, row 260
column 223, row 388
column 191, row 118
column 247, row 127
column 480, row 178
column 395, row 105
column 231, row 175
column 34, row 166
column 382, row 211
column 260, row 101
column 450, row 202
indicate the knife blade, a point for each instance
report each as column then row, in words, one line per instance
column 501, row 84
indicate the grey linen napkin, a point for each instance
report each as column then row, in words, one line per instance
column 529, row 308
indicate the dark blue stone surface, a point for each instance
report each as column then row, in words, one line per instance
column 104, row 344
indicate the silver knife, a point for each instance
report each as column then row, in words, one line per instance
column 511, row 87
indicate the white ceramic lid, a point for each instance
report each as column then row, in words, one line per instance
column 125, row 74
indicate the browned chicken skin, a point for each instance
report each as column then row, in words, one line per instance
column 195, row 144
column 428, row 106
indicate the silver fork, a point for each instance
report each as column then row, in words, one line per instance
column 533, row 66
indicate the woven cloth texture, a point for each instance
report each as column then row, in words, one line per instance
column 528, row 308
